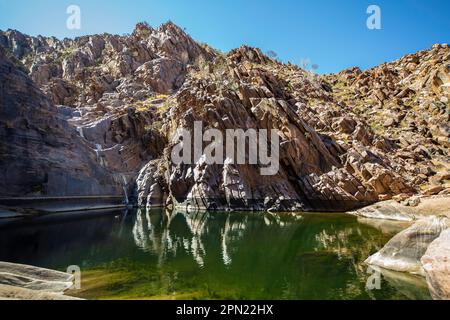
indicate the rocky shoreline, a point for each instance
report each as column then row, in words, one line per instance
column 411, row 209
column 36, row 206
column 94, row 116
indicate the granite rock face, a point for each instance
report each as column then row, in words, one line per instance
column 407, row 102
column 121, row 99
column 23, row 282
column 151, row 188
column 318, row 170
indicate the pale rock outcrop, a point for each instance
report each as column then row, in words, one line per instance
column 436, row 263
column 24, row 282
column 151, row 189
column 410, row 209
column 405, row 251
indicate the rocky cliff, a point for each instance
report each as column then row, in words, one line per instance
column 347, row 139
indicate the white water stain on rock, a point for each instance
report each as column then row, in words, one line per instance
column 436, row 265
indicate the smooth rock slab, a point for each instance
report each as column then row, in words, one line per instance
column 404, row 251
column 436, row 263
column 34, row 284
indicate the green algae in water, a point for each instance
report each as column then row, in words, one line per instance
column 175, row 255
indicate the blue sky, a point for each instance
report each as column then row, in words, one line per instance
column 330, row 33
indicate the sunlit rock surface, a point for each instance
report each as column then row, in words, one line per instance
column 436, row 263
column 23, row 282
column 40, row 153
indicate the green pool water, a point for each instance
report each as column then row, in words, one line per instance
column 175, row 255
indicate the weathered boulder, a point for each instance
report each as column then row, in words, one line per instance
column 35, row 272
column 24, row 282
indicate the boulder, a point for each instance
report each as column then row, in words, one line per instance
column 433, row 190
column 436, row 263
column 42, row 155
column 404, row 252
column 346, row 125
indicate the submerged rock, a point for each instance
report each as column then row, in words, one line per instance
column 35, row 272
